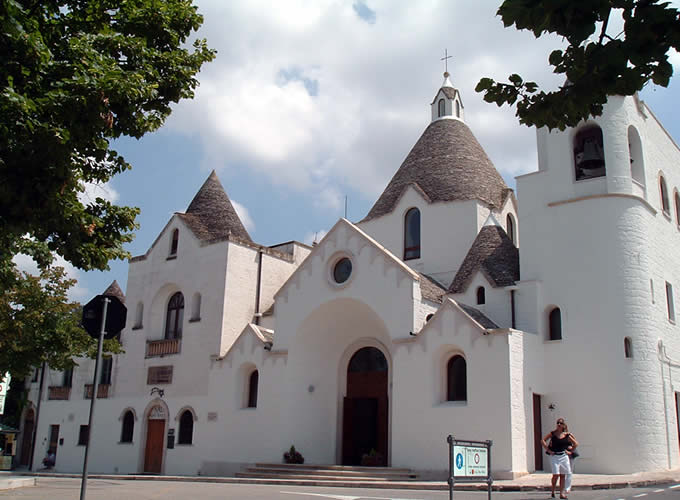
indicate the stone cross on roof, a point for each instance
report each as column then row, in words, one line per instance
column 446, row 62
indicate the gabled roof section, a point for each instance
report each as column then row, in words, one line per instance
column 448, row 164
column 431, row 289
column 211, row 216
column 493, row 253
column 114, row 291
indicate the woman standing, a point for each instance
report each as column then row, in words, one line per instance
column 561, row 441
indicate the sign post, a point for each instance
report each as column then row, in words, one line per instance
column 469, row 461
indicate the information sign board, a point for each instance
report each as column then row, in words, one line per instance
column 4, row 387
column 469, row 461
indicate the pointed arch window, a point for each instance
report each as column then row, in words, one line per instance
column 412, row 234
column 253, row 382
column 128, row 428
column 677, row 208
column 186, row 428
column 663, row 190
column 174, row 243
column 441, row 108
column 481, row 295
column 555, row 324
column 174, row 317
column 589, row 153
column 456, row 379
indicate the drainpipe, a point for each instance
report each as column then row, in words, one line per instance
column 257, row 289
column 37, row 416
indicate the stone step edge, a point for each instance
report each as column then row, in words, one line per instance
column 323, row 472
column 333, row 467
column 312, row 477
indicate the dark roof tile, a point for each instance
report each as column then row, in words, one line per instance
column 431, row 289
column 478, row 316
column 492, row 252
column 448, row 164
column 114, row 291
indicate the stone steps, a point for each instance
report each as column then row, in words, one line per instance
column 327, row 473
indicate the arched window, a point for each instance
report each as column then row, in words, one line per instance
column 637, row 170
column 627, row 347
column 441, row 107
column 663, row 190
column 481, row 295
column 555, row 324
column 128, row 427
column 186, row 428
column 139, row 315
column 589, row 153
column 510, row 225
column 174, row 317
column 253, row 382
column 428, row 317
column 456, row 379
column 457, row 109
column 196, row 307
column 412, row 234
column 174, row 242
column 677, row 208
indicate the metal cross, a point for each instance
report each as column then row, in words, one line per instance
column 445, row 59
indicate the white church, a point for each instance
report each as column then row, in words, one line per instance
column 455, row 306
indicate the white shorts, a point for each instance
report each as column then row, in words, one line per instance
column 560, row 464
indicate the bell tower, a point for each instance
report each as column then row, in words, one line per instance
column 447, row 104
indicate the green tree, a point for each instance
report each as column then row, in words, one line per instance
column 596, row 63
column 75, row 75
column 38, row 324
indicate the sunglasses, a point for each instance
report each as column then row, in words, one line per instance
column 560, row 423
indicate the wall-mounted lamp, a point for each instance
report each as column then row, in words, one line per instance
column 268, row 346
column 157, row 390
column 552, row 406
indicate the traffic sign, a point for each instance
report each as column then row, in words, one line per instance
column 116, row 315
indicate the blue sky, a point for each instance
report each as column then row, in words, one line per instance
column 311, row 101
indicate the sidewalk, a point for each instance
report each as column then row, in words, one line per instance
column 536, row 481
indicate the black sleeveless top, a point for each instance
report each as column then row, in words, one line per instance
column 559, row 445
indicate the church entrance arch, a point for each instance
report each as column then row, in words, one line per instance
column 365, row 408
column 154, row 448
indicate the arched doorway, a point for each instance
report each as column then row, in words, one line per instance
column 27, row 439
column 365, row 408
column 155, row 433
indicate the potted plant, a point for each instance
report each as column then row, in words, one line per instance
column 372, row 459
column 293, row 456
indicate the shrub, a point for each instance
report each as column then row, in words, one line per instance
column 293, row 456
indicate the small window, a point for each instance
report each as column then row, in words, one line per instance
column 627, row 347
column 196, row 307
column 428, row 317
column 555, row 324
column 510, row 225
column 174, row 317
column 36, row 372
column 589, row 153
column 665, row 205
column 669, row 301
column 186, row 428
column 457, row 109
column 412, row 234
column 159, row 375
column 83, row 435
column 139, row 315
column 253, row 382
column 105, row 374
column 481, row 295
column 67, row 379
column 441, row 107
column 128, row 427
column 637, row 170
column 342, row 270
column 174, row 243
column 456, row 379
column 677, row 208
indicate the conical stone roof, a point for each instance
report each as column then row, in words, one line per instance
column 211, row 216
column 114, row 291
column 447, row 164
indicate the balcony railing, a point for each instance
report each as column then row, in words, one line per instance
column 155, row 348
column 58, row 392
column 102, row 391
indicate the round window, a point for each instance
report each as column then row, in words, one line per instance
column 342, row 270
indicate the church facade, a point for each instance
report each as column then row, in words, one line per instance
column 453, row 307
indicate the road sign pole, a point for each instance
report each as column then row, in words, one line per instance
column 451, row 481
column 95, row 387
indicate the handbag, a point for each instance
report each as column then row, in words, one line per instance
column 575, row 454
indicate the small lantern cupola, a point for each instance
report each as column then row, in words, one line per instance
column 447, row 104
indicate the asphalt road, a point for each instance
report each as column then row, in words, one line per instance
column 69, row 489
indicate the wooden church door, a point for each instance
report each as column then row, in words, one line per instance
column 155, row 432
column 365, row 409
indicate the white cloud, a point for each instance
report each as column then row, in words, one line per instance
column 94, row 191
column 77, row 293
column 244, row 215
